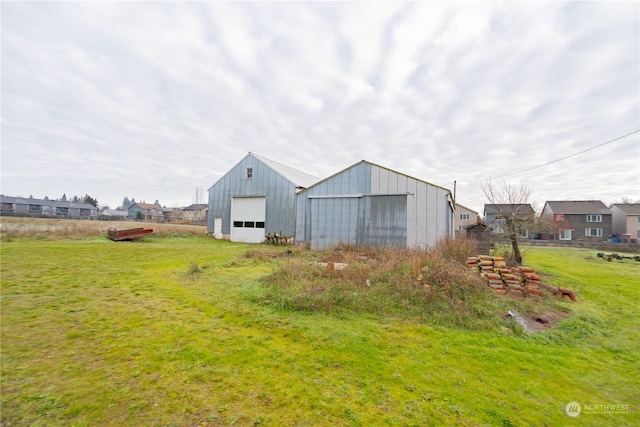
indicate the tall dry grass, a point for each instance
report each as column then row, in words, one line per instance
column 427, row 285
column 54, row 228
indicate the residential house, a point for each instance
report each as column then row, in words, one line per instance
column 113, row 214
column 41, row 207
column 195, row 213
column 463, row 217
column 626, row 221
column 587, row 220
column 172, row 214
column 370, row 205
column 146, row 211
column 255, row 198
column 496, row 216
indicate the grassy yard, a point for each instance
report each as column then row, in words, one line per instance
column 175, row 331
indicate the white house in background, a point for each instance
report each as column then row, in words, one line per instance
column 626, row 220
column 114, row 214
column 255, row 198
column 195, row 212
column 370, row 205
column 463, row 218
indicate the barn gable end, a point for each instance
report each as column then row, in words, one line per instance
column 370, row 205
column 255, row 198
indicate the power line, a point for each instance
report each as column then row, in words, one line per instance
column 561, row 158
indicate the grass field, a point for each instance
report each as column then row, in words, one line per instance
column 175, row 331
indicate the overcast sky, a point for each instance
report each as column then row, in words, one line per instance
column 151, row 100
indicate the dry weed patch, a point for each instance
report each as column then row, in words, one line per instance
column 55, row 229
column 429, row 286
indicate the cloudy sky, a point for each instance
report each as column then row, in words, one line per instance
column 152, row 100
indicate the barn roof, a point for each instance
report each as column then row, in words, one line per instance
column 297, row 177
column 381, row 167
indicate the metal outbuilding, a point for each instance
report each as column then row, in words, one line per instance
column 370, row 205
column 255, row 198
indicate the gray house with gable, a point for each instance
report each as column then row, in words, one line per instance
column 588, row 220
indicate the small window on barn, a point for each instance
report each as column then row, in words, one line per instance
column 249, row 224
column 237, row 224
column 260, row 224
column 249, row 173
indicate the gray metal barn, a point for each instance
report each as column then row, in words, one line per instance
column 255, row 198
column 371, row 205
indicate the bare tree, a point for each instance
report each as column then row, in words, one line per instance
column 198, row 198
column 513, row 212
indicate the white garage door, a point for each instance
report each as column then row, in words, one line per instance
column 247, row 219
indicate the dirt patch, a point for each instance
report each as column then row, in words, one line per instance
column 533, row 323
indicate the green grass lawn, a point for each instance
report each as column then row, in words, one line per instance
column 174, row 331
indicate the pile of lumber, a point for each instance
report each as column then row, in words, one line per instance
column 517, row 281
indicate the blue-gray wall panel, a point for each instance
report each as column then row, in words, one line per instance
column 384, row 221
column 279, row 193
column 354, row 180
column 392, row 209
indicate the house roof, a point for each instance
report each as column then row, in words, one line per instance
column 114, row 212
column 196, row 207
column 297, row 177
column 628, row 208
column 458, row 205
column 146, row 206
column 54, row 203
column 518, row 208
column 578, row 207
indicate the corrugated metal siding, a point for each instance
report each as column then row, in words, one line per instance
column 370, row 205
column 279, row 192
column 332, row 220
column 429, row 213
column 355, row 180
column 384, row 221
